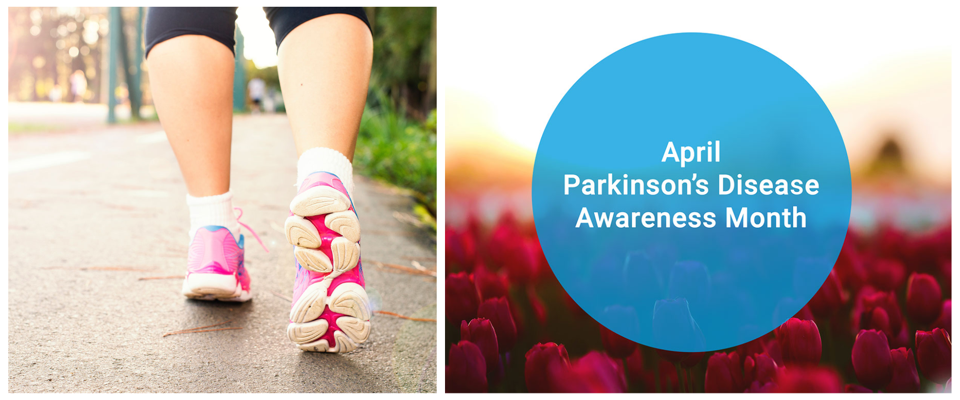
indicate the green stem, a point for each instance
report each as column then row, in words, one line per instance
column 680, row 380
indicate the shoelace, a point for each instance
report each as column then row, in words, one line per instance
column 251, row 230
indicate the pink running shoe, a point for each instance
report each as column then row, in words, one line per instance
column 330, row 312
column 215, row 268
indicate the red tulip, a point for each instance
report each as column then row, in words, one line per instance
column 889, row 321
column 461, row 249
column 829, row 298
column 905, row 378
column 504, row 239
column 462, row 298
column 808, row 379
column 489, row 284
column 752, row 347
column 543, row 363
column 617, row 346
column 498, row 312
column 481, row 333
column 871, row 359
column 887, row 274
column 926, row 251
column 853, row 388
column 849, row 266
column 724, row 374
column 933, row 354
column 467, row 371
column 765, row 344
column 923, row 298
column 635, row 365
column 669, row 380
column 944, row 320
column 760, row 369
column 800, row 342
column 595, row 372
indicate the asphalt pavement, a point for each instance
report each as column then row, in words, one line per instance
column 97, row 249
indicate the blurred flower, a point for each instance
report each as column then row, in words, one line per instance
column 853, row 388
column 617, row 346
column 724, row 374
column 887, row 274
column 871, row 359
column 543, row 363
column 669, row 380
column 539, row 309
column 945, row 273
column 891, row 242
column 759, row 368
column 757, row 387
column 489, row 284
column 686, row 360
column 933, row 354
column 461, row 249
column 829, row 298
column 849, row 266
column 752, row 347
column 673, row 324
column 595, row 372
column 799, row 341
column 467, row 371
column 808, row 379
column 923, row 298
column 634, row 364
column 944, row 320
column 880, row 311
column 905, row 378
column 498, row 312
column 462, row 298
column 927, row 251
column 481, row 333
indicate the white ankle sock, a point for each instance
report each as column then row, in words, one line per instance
column 327, row 160
column 213, row 210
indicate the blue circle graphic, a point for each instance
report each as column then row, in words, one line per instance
column 691, row 192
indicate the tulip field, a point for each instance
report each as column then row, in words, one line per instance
column 879, row 323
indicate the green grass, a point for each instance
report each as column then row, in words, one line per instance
column 399, row 150
column 29, row 127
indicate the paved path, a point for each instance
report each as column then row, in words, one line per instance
column 93, row 212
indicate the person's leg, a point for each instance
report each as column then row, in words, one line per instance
column 190, row 62
column 324, row 67
column 325, row 56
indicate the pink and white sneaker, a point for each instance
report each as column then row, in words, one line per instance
column 330, row 312
column 215, row 268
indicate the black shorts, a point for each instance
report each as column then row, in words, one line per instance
column 218, row 23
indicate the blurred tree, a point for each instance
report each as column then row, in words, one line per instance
column 404, row 57
column 47, row 45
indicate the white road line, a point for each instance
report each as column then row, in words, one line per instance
column 47, row 160
column 155, row 137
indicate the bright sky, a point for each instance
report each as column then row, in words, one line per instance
column 522, row 69
column 259, row 44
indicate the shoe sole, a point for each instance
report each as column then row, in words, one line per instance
column 214, row 287
column 348, row 299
